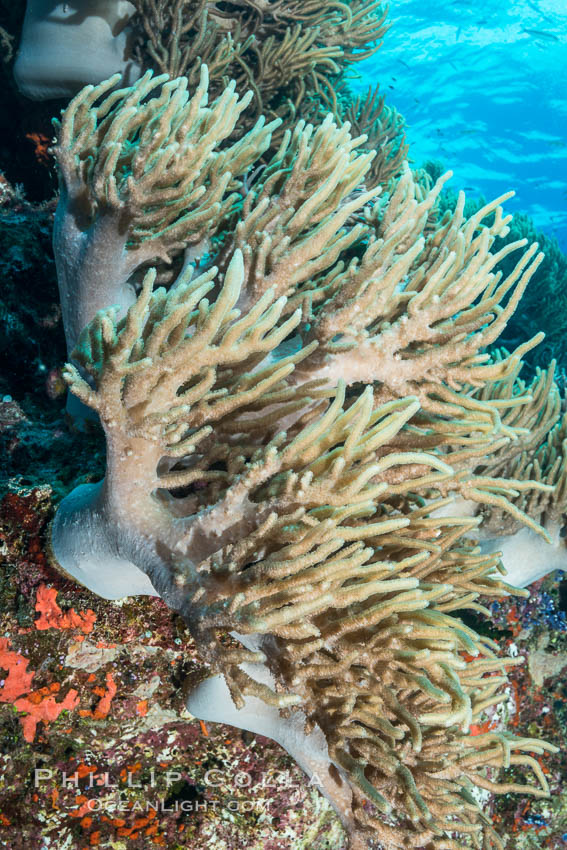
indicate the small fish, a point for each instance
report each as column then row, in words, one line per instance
column 535, row 8
column 542, row 34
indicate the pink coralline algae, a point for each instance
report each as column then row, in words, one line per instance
column 37, row 705
column 18, row 680
column 52, row 617
column 106, row 695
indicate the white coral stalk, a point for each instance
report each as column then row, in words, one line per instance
column 65, row 46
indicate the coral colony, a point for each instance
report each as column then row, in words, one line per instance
column 315, row 452
column 292, row 434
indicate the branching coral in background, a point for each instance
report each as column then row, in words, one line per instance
column 285, row 432
column 177, row 38
column 545, row 299
column 384, row 127
column 291, row 54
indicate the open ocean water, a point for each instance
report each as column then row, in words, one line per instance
column 483, row 89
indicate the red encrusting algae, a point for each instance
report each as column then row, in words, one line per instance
column 37, row 705
column 52, row 617
column 106, row 695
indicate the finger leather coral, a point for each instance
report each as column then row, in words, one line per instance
column 289, row 424
column 141, row 176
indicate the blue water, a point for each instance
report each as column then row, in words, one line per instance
column 484, row 96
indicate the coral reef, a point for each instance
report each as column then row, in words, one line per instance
column 313, row 453
column 260, row 489
column 125, row 764
column 254, row 797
